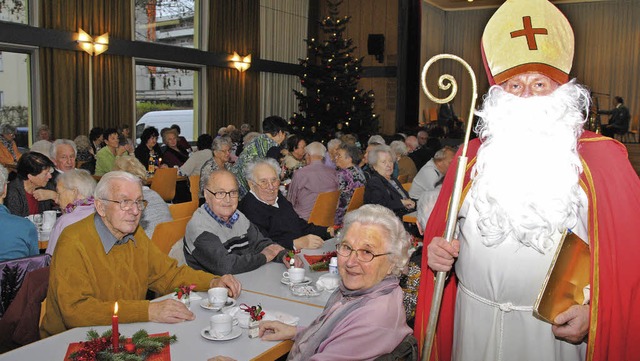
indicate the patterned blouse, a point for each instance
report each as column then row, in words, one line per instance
column 348, row 180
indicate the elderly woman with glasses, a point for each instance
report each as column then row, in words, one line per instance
column 220, row 161
column 364, row 318
column 157, row 210
column 75, row 196
column 30, row 192
column 383, row 188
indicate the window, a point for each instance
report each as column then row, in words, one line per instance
column 1, row 99
column 170, row 22
column 165, row 96
column 15, row 11
column 15, row 90
column 1, row 67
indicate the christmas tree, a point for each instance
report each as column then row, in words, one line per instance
column 330, row 79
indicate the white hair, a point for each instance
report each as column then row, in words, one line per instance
column 78, row 179
column 525, row 180
column 333, row 144
column 251, row 166
column 376, row 139
column 53, row 151
column 4, row 176
column 103, row 189
column 399, row 148
column 315, row 149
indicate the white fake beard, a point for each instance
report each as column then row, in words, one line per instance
column 525, row 180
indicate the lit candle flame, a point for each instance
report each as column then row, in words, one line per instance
column 115, row 309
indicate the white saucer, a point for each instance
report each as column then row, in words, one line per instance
column 235, row 332
column 286, row 281
column 206, row 305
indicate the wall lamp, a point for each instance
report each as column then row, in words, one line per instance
column 241, row 63
column 92, row 46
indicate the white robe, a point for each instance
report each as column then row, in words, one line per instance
column 498, row 287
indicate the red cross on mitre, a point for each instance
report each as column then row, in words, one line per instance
column 529, row 32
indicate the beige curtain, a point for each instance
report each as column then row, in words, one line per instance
column 283, row 25
column 65, row 74
column 233, row 97
column 606, row 52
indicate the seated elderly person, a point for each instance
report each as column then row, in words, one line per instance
column 406, row 166
column 157, row 210
column 220, row 239
column 75, row 196
column 9, row 153
column 19, row 235
column 197, row 159
column 221, row 153
column 63, row 154
column 364, row 318
column 350, row 177
column 432, row 174
column 382, row 188
column 311, row 180
column 275, row 217
column 30, row 192
column 106, row 258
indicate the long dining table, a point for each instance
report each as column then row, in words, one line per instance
column 191, row 345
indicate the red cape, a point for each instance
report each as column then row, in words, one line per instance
column 613, row 191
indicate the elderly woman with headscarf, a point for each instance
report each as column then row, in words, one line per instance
column 383, row 188
column 221, row 154
column 350, row 177
column 364, row 318
column 30, row 192
column 75, row 196
column 157, row 210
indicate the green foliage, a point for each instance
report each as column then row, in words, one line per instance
column 144, row 107
column 330, row 77
column 16, row 115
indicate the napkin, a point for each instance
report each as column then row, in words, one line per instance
column 328, row 282
column 281, row 316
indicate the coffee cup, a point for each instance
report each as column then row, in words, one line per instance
column 220, row 325
column 48, row 219
column 218, row 296
column 294, row 274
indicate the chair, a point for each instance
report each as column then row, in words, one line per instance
column 194, row 187
column 406, row 350
column 403, row 178
column 181, row 210
column 324, row 209
column 167, row 234
column 357, row 199
column 12, row 275
column 406, row 186
column 631, row 136
column 164, row 183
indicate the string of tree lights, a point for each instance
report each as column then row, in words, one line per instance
column 331, row 100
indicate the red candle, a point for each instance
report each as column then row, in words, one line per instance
column 115, row 335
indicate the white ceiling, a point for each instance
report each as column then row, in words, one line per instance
column 480, row 4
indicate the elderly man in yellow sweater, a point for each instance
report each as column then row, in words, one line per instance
column 106, row 258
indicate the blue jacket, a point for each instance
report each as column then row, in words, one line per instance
column 19, row 236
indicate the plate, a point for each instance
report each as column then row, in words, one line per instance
column 208, row 306
column 235, row 333
column 285, row 281
column 306, row 290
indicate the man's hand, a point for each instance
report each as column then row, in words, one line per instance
column 276, row 331
column 169, row 311
column 46, row 194
column 573, row 324
column 229, row 282
column 297, row 261
column 271, row 251
column 442, row 254
column 310, row 241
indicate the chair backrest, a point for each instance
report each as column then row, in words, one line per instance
column 194, row 187
column 407, row 350
column 403, row 178
column 433, row 114
column 12, row 274
column 181, row 210
column 164, row 183
column 324, row 209
column 357, row 199
column 167, row 234
column 406, row 186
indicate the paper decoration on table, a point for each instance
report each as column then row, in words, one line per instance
column 320, row 263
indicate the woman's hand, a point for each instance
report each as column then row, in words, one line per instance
column 45, row 194
column 408, row 203
column 276, row 331
column 442, row 254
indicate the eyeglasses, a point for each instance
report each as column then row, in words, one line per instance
column 127, row 204
column 361, row 254
column 265, row 183
column 221, row 195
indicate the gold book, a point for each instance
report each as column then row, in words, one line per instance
column 566, row 279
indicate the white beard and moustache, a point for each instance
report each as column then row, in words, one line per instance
column 526, row 177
